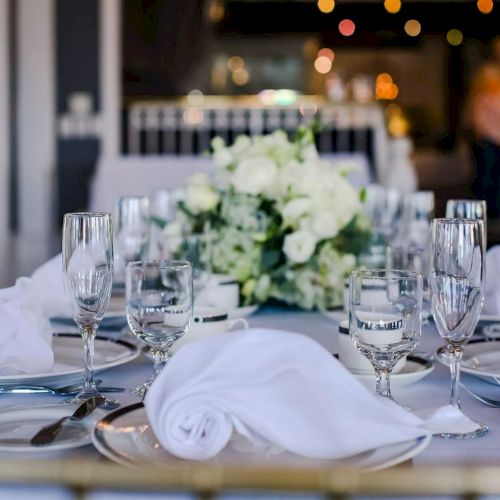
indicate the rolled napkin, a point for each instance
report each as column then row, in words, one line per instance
column 491, row 303
column 49, row 285
column 25, row 333
column 278, row 390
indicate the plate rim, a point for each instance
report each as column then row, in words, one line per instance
column 134, row 352
column 427, row 361
column 468, row 369
column 102, row 446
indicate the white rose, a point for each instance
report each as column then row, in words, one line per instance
column 295, row 209
column 222, row 158
column 254, row 176
column 201, row 196
column 299, row 246
column 324, row 224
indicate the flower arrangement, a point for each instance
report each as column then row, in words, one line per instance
column 286, row 224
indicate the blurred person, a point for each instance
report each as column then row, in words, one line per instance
column 484, row 120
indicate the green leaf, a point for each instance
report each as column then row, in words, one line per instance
column 362, row 194
column 161, row 223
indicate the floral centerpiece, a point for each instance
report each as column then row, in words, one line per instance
column 286, row 224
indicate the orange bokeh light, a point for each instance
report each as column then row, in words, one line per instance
column 413, row 27
column 392, row 6
column 326, row 52
column 485, row 6
column 326, row 6
column 383, row 78
column 347, row 27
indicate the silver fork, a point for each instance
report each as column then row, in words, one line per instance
column 487, row 401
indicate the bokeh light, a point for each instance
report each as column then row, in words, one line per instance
column 216, row 11
column 235, row 62
column 383, row 78
column 385, row 88
column 192, row 116
column 195, row 97
column 392, row 6
column 326, row 6
column 413, row 27
column 485, row 6
column 326, row 52
column 347, row 27
column 454, row 37
column 240, row 76
column 323, row 64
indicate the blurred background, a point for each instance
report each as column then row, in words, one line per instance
column 87, row 83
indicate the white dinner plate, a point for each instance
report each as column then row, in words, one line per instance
column 19, row 424
column 68, row 360
column 126, row 437
column 416, row 368
column 242, row 311
column 480, row 358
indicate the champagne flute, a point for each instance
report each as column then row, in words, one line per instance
column 457, row 289
column 468, row 209
column 87, row 256
column 384, row 318
column 159, row 307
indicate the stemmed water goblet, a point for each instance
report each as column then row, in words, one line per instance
column 413, row 258
column 132, row 232
column 457, row 288
column 384, row 318
column 87, row 256
column 159, row 298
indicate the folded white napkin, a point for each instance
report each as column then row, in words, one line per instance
column 491, row 303
column 48, row 281
column 25, row 333
column 280, row 390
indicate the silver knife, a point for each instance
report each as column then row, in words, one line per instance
column 48, row 433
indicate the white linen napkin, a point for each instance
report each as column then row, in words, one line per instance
column 491, row 303
column 25, row 333
column 48, row 281
column 280, row 390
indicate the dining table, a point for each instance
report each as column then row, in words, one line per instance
column 479, row 457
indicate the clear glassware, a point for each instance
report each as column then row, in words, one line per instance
column 468, row 209
column 457, row 289
column 87, row 256
column 163, row 209
column 417, row 260
column 159, row 297
column 417, row 214
column 132, row 232
column 383, row 208
column 385, row 318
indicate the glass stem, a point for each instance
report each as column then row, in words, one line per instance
column 456, row 358
column 88, row 334
column 159, row 360
column 383, row 387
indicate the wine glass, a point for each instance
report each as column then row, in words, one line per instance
column 133, row 228
column 467, row 209
column 412, row 258
column 457, row 290
column 418, row 211
column 159, row 307
column 163, row 208
column 87, row 256
column 384, row 318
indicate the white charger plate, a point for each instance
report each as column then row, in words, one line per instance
column 19, row 424
column 68, row 360
column 126, row 437
column 415, row 369
column 480, row 358
column 242, row 311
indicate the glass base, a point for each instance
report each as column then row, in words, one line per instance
column 481, row 431
column 141, row 390
column 84, row 395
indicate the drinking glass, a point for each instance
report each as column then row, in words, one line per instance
column 133, row 226
column 382, row 206
column 159, row 307
column 163, row 208
column 418, row 211
column 384, row 318
column 87, row 256
column 412, row 258
column 467, row 209
column 457, row 290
